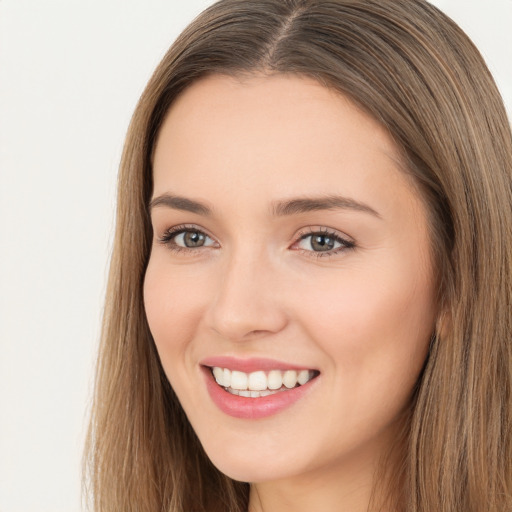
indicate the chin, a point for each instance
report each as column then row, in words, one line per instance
column 244, row 472
column 253, row 467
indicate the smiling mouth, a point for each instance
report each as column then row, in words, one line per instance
column 260, row 383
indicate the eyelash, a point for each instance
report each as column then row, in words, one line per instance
column 167, row 239
column 170, row 234
column 345, row 244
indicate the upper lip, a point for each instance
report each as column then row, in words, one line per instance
column 251, row 364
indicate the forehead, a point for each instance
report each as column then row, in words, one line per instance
column 225, row 112
column 273, row 99
column 264, row 137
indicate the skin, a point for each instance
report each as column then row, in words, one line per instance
column 361, row 315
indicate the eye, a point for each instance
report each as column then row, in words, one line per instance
column 192, row 239
column 186, row 238
column 323, row 242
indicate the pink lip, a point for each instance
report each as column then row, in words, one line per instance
column 250, row 365
column 253, row 408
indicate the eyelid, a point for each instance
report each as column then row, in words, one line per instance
column 169, row 234
column 346, row 241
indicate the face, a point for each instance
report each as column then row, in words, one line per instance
column 289, row 289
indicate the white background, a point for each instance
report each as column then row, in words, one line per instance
column 70, row 74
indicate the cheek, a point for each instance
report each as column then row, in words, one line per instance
column 374, row 327
column 173, row 304
column 376, row 338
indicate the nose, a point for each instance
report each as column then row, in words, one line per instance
column 247, row 303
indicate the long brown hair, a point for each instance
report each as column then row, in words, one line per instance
column 413, row 70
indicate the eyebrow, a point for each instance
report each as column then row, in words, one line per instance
column 180, row 203
column 311, row 204
column 279, row 208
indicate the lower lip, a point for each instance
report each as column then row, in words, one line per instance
column 253, row 408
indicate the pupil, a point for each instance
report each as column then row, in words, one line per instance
column 322, row 243
column 193, row 239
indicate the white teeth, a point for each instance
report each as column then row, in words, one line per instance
column 218, row 373
column 259, row 383
column 290, row 378
column 275, row 379
column 252, row 394
column 239, row 380
column 303, row 377
column 226, row 378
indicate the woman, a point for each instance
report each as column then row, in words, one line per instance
column 310, row 289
